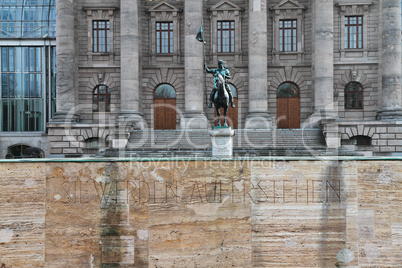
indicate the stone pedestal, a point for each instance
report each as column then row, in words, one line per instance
column 125, row 123
column 222, row 141
column 331, row 132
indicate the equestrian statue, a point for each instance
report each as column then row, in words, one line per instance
column 221, row 94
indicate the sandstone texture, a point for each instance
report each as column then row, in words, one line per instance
column 245, row 213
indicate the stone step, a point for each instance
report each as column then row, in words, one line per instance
column 200, row 139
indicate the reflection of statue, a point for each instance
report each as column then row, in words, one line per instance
column 224, row 72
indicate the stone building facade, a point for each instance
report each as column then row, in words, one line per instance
column 333, row 65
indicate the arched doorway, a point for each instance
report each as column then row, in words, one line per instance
column 288, row 106
column 165, row 107
column 232, row 116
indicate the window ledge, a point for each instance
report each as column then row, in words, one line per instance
column 165, row 54
column 225, row 53
column 100, row 53
column 353, row 50
column 288, row 52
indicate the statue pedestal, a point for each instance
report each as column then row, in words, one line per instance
column 222, row 141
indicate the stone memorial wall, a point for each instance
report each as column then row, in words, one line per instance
column 250, row 213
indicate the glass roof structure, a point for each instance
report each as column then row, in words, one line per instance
column 28, row 18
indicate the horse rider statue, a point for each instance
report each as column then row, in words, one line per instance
column 222, row 70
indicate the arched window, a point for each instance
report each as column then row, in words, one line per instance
column 354, row 96
column 165, row 91
column 101, row 99
column 288, row 90
column 362, row 140
column 17, row 150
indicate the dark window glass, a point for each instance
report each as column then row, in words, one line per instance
column 101, row 99
column 288, row 35
column 164, row 37
column 353, row 96
column 22, row 98
column 226, row 36
column 362, row 140
column 354, row 32
column 101, row 36
column 17, row 150
column 288, row 90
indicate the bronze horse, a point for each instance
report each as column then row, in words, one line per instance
column 221, row 100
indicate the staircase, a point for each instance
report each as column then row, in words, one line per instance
column 246, row 143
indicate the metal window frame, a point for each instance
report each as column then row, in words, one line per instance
column 169, row 31
column 282, row 47
column 97, row 29
column 359, row 35
column 358, row 93
column 219, row 29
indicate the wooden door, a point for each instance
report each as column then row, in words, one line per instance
column 232, row 116
column 164, row 113
column 288, row 112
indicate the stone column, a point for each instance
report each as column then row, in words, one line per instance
column 67, row 67
column 391, row 61
column 258, row 116
column 130, row 118
column 130, row 64
column 323, row 58
column 194, row 116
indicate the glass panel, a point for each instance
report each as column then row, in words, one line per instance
column 165, row 91
column 18, row 85
column 24, row 59
column 96, row 103
column 352, row 100
column 32, row 85
column 38, row 61
column 25, row 83
column 5, row 116
column 288, row 90
column 11, row 59
column 18, row 59
column 4, row 86
column 11, row 85
column 4, row 59
column 31, row 59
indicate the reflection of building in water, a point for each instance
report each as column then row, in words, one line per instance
column 125, row 68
